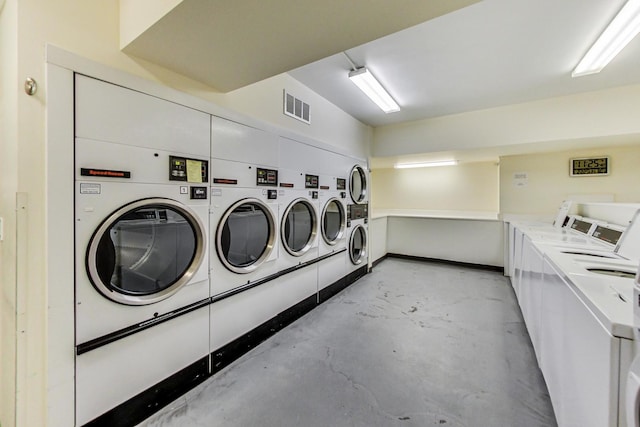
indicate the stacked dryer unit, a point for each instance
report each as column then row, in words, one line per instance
column 244, row 231
column 357, row 220
column 141, row 251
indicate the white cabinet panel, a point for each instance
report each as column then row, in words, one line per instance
column 530, row 292
column 111, row 113
column 236, row 142
column 580, row 358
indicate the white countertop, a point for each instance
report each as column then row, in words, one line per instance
column 438, row 214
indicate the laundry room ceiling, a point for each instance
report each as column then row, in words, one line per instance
column 490, row 54
column 229, row 44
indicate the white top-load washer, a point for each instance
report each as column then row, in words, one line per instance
column 141, row 248
column 585, row 327
column 633, row 377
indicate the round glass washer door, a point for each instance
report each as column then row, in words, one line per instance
column 358, row 184
column 333, row 221
column 145, row 251
column 299, row 227
column 246, row 235
column 358, row 245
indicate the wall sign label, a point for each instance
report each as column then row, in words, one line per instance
column 589, row 166
column 520, row 179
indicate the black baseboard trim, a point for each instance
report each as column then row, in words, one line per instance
column 378, row 261
column 225, row 355
column 446, row 261
column 341, row 284
column 329, row 291
column 145, row 404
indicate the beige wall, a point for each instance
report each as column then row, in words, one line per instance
column 89, row 29
column 467, row 186
column 589, row 115
column 548, row 180
column 8, row 190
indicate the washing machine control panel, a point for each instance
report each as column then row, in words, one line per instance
column 199, row 193
column 268, row 177
column 357, row 211
column 310, row 181
column 188, row 170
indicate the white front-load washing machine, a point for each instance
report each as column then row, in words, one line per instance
column 332, row 267
column 299, row 225
column 250, row 289
column 141, row 252
column 244, row 249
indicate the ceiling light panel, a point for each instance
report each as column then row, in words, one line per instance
column 624, row 27
column 373, row 89
column 425, row 164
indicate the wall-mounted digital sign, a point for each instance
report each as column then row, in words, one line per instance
column 589, row 166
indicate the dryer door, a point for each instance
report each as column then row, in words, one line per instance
column 246, row 235
column 358, row 184
column 333, row 221
column 299, row 227
column 145, row 251
column 358, row 245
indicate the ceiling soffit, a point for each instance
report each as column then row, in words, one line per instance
column 229, row 44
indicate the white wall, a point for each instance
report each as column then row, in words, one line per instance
column 377, row 239
column 548, row 182
column 329, row 124
column 467, row 186
column 471, row 241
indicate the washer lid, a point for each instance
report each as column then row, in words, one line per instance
column 145, row 251
column 629, row 244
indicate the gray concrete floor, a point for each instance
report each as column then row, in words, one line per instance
column 411, row 344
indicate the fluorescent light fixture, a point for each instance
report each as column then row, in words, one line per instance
column 373, row 89
column 613, row 39
column 425, row 164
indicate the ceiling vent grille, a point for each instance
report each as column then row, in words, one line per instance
column 296, row 108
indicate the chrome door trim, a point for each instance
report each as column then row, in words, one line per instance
column 343, row 221
column 314, row 227
column 363, row 192
column 270, row 241
column 114, row 294
column 363, row 252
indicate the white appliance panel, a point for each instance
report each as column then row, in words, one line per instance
column 113, row 113
column 241, row 143
column 112, row 374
